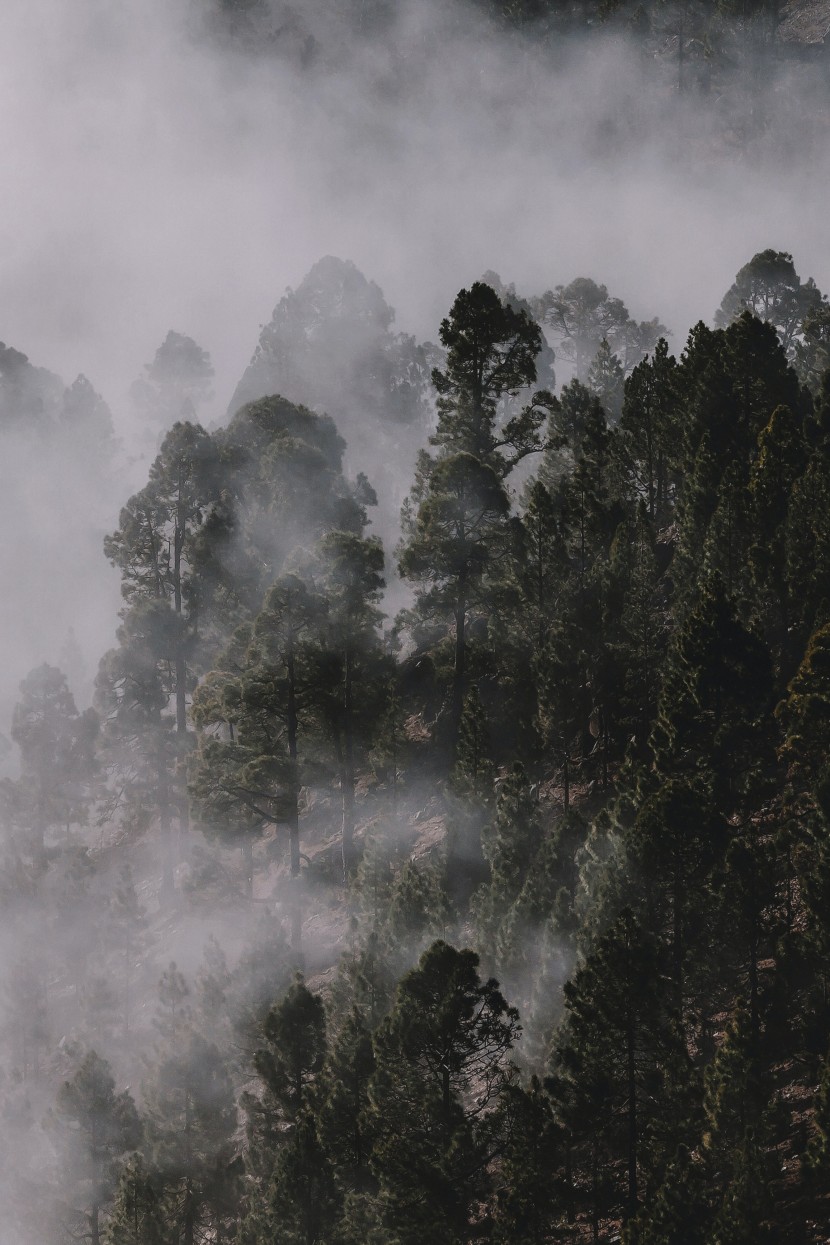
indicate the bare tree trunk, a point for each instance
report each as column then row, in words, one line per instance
column 294, row 778
column 347, row 772
column 459, row 668
column 167, row 884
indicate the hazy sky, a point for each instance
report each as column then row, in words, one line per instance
column 151, row 183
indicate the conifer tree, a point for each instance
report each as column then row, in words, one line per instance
column 137, row 1216
column 104, row 1126
column 289, row 1067
column 351, row 578
column 649, row 420
column 253, row 711
column 191, row 1125
column 57, row 758
column 441, row 1063
column 176, row 383
column 343, row 1116
column 132, row 694
column 782, row 460
column 455, row 524
column 527, row 1195
column 606, row 379
column 770, row 288
column 618, row 1046
column 127, row 921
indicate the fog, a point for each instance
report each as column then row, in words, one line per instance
column 162, row 175
column 159, row 177
column 155, row 180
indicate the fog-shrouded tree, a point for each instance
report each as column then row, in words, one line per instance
column 152, row 549
column 332, row 346
column 190, row 1122
column 96, row 1126
column 58, row 762
column 132, row 695
column 283, row 487
column 252, row 711
column 772, row 290
column 86, row 422
column 605, row 379
column 176, row 384
column 812, row 352
column 455, row 523
column 137, row 1216
column 349, row 569
column 30, row 396
column 329, row 344
column 289, row 1064
column 583, row 314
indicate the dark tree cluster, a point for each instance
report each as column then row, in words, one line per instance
column 522, row 898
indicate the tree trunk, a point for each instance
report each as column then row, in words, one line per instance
column 294, row 777
column 248, row 861
column 459, row 674
column 347, row 772
column 181, row 680
column 632, row 1117
column 678, row 906
column 167, row 884
column 566, row 780
column 189, row 1224
column 570, row 1208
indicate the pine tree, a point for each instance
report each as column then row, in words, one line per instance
column 781, row 461
column 680, row 1210
column 176, row 383
column 127, row 921
column 289, row 1067
column 301, row 1200
column 261, row 697
column 605, row 380
column 137, row 1216
column 527, row 1194
column 770, row 288
column 441, row 1064
column 511, row 844
column 649, row 421
column 132, row 693
column 456, row 522
column 581, row 315
column 351, row 578
column 191, row 1126
column 737, row 1130
column 618, row 1046
column 98, row 1127
column 57, row 757
column 343, row 1117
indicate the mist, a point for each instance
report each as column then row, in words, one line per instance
column 158, row 180
column 167, row 170
column 159, row 176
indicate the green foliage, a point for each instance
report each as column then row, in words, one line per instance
column 441, row 1062
column 97, row 1126
column 295, row 1033
column 605, row 379
column 772, row 290
column 137, row 1216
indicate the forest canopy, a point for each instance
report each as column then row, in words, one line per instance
column 502, row 916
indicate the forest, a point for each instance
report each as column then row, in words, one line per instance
column 422, row 834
